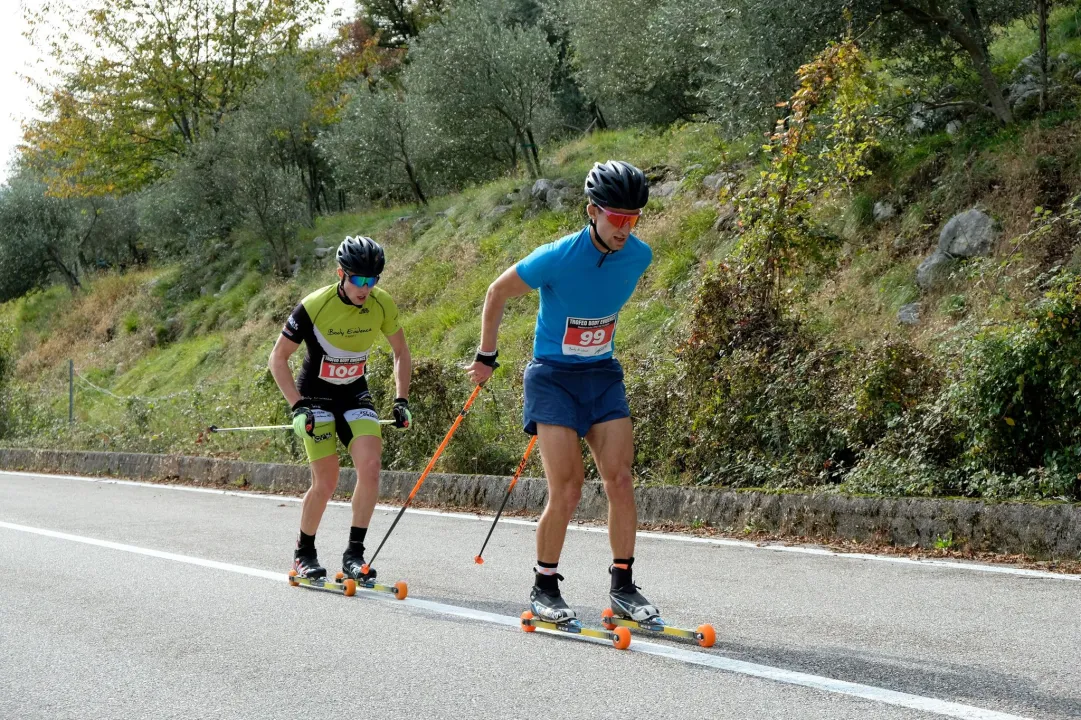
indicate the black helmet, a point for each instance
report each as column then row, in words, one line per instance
column 361, row 256
column 616, row 184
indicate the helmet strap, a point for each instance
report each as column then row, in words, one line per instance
column 345, row 297
column 597, row 236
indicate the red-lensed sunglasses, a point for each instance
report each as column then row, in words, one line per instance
column 619, row 220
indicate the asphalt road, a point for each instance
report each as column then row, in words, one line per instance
column 130, row 601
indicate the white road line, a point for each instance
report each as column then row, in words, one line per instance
column 719, row 662
column 670, row 537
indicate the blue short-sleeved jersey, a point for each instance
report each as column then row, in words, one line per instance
column 580, row 302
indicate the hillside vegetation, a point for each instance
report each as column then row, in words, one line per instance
column 779, row 340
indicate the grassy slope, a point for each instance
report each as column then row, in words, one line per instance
column 139, row 335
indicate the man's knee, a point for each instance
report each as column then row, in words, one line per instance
column 620, row 484
column 368, row 467
column 323, row 488
column 565, row 496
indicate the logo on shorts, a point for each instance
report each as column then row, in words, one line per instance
column 321, row 438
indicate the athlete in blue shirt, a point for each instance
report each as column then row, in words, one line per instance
column 574, row 386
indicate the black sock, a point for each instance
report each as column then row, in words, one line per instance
column 306, row 543
column 621, row 577
column 356, row 540
column 547, row 582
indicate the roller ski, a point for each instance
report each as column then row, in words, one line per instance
column 549, row 611
column 308, row 572
column 630, row 609
column 356, row 570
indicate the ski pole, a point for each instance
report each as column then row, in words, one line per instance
column 479, row 559
column 431, row 463
column 259, row 428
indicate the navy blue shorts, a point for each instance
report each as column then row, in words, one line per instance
column 577, row 396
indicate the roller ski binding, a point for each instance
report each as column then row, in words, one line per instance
column 550, row 611
column 308, row 572
column 630, row 609
column 355, row 569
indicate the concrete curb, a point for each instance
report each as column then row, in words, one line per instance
column 1047, row 532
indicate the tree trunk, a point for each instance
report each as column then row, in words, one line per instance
column 970, row 37
column 972, row 42
column 417, row 192
column 67, row 273
column 533, row 147
column 530, row 168
column 1041, row 12
column 598, row 116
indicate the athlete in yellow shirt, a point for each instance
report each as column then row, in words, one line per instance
column 339, row 324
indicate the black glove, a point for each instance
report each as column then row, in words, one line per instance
column 402, row 417
column 303, row 418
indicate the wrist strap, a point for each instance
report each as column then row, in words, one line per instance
column 487, row 358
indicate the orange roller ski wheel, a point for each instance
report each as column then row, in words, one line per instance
column 606, row 619
column 292, row 578
column 401, row 590
column 622, row 639
column 526, row 617
column 708, row 635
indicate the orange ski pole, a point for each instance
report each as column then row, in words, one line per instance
column 439, row 451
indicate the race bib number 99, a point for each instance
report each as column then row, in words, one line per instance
column 589, row 337
column 341, row 371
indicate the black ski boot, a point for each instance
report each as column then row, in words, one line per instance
column 353, row 564
column 627, row 602
column 547, row 602
column 306, row 564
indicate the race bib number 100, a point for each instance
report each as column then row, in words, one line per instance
column 341, row 371
column 589, row 337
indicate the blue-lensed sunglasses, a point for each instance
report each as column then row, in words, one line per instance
column 361, row 281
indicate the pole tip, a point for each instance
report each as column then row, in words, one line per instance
column 365, row 568
column 212, row 428
column 478, row 560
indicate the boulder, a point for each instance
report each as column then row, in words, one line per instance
column 883, row 211
column 715, row 182
column 726, row 218
column 540, row 189
column 498, row 211
column 909, row 314
column 666, row 190
column 968, row 234
column 933, row 269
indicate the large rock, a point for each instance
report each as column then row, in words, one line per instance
column 726, row 218
column 421, row 225
column 909, row 314
column 322, row 252
column 499, row 211
column 883, row 211
column 953, row 127
column 715, row 182
column 540, row 190
column 666, row 190
column 320, row 241
column 969, row 234
column 933, row 269
column 560, row 198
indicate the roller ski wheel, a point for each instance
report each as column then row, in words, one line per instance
column 345, row 586
column 620, row 637
column 400, row 590
column 704, row 634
